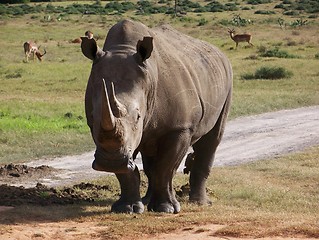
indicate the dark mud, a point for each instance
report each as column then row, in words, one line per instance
column 14, row 171
column 41, row 194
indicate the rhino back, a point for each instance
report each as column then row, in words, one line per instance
column 194, row 81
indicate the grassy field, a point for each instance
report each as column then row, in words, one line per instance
column 41, row 104
column 42, row 115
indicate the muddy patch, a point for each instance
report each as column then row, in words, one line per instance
column 27, row 176
column 15, row 172
column 40, row 194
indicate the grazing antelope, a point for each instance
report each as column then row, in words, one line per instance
column 88, row 34
column 31, row 48
column 76, row 40
column 245, row 37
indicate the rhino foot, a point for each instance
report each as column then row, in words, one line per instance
column 165, row 207
column 127, row 207
column 200, row 200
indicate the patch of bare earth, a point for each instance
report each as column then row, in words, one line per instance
column 91, row 230
column 58, row 230
column 209, row 231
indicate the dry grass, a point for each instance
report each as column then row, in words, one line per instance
column 278, row 197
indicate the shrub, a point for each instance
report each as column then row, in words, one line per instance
column 188, row 4
column 120, row 7
column 317, row 56
column 291, row 13
column 145, row 7
column 202, row 22
column 280, row 6
column 275, row 52
column 14, row 1
column 268, row 73
column 256, row 2
column 239, row 21
column 215, row 6
column 299, row 23
column 309, row 6
column 265, row 12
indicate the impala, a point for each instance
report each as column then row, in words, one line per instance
column 88, row 34
column 32, row 48
column 245, row 37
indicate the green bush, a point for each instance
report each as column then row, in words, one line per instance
column 14, row 1
column 275, row 52
column 239, row 21
column 265, row 12
column 299, row 23
column 119, row 6
column 256, row 2
column 145, row 8
column 202, row 22
column 309, row 6
column 291, row 13
column 268, row 73
column 215, row 6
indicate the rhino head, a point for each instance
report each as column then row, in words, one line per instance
column 116, row 102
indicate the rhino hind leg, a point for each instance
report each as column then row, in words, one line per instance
column 147, row 166
column 204, row 154
column 130, row 200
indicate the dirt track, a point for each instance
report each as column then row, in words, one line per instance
column 246, row 139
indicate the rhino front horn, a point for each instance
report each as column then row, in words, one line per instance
column 108, row 119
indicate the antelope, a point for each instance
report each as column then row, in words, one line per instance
column 76, row 40
column 31, row 48
column 245, row 37
column 88, row 34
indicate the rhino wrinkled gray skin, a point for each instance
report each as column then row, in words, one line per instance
column 157, row 92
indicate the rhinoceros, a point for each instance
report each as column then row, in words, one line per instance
column 158, row 92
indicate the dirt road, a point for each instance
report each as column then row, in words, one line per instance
column 246, row 139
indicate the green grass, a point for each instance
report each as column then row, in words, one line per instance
column 34, row 97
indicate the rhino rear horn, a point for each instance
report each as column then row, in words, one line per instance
column 144, row 48
column 108, row 119
column 119, row 109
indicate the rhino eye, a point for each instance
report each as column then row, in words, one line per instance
column 138, row 117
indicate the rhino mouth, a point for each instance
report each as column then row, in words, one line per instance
column 115, row 163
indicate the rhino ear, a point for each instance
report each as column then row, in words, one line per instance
column 144, row 48
column 90, row 48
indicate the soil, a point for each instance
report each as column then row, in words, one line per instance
column 246, row 139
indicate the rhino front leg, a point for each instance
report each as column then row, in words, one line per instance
column 171, row 150
column 130, row 200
